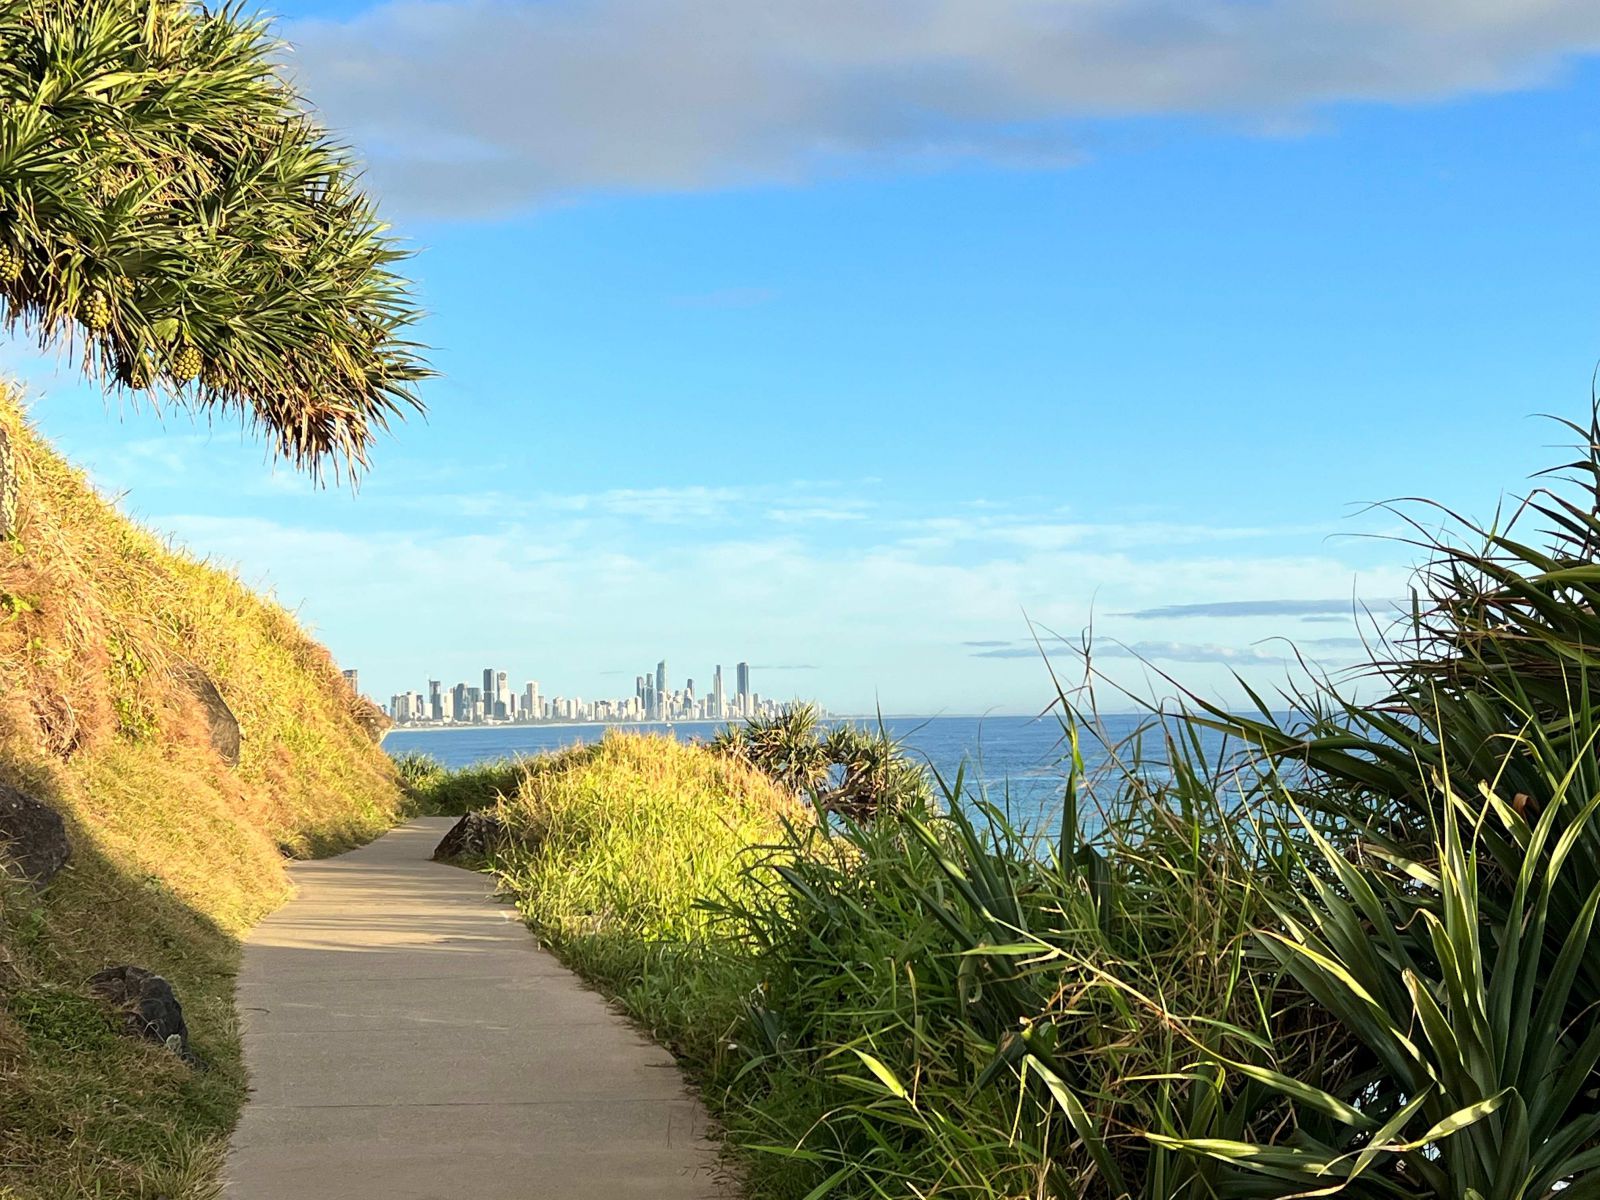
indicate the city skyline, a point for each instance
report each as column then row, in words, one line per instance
column 497, row 702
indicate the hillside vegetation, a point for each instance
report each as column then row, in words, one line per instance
column 104, row 630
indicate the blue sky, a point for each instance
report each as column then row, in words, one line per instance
column 840, row 344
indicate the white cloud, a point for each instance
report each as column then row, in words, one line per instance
column 484, row 106
column 882, row 623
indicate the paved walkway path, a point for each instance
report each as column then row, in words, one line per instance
column 408, row 1039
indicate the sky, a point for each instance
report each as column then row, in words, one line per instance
column 864, row 342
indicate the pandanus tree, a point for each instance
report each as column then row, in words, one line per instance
column 171, row 212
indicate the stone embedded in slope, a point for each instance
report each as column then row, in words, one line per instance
column 473, row 837
column 373, row 720
column 223, row 725
column 8, row 486
column 33, row 837
column 148, row 1005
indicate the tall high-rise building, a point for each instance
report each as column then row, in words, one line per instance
column 716, row 694
column 487, row 692
column 741, row 677
column 661, row 685
column 435, row 700
column 353, row 678
column 530, row 701
column 502, row 695
column 460, row 703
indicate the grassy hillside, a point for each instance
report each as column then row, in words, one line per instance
column 175, row 852
column 613, row 847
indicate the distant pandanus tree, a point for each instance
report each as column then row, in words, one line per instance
column 171, row 213
column 844, row 769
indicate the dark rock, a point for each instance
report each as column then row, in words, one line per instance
column 33, row 837
column 224, row 726
column 473, row 837
column 148, row 1006
column 8, row 486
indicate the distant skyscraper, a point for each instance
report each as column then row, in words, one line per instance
column 716, row 694
column 502, row 695
column 435, row 700
column 487, row 692
column 530, row 701
column 741, row 677
column 661, row 683
column 353, row 678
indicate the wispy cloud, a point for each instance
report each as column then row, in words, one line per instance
column 1274, row 651
column 877, row 615
column 1306, row 609
column 997, row 525
column 843, row 510
column 469, row 107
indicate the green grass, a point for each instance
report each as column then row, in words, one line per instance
column 445, row 793
column 614, row 847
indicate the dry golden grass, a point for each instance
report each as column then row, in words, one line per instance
column 176, row 852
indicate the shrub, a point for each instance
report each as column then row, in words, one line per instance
column 843, row 769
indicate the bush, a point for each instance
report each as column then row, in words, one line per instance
column 843, row 769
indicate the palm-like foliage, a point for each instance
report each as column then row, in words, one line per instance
column 1481, row 1085
column 786, row 747
column 1446, row 910
column 1494, row 690
column 870, row 774
column 168, row 208
column 844, row 769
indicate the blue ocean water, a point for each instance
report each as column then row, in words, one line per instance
column 1019, row 763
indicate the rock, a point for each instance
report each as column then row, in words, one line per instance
column 475, row 836
column 33, row 837
column 148, row 1005
column 224, row 726
column 373, row 720
column 8, row 486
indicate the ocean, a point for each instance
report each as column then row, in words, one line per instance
column 1018, row 763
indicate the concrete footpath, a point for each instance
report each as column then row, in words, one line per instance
column 407, row 1039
